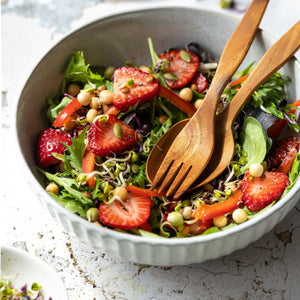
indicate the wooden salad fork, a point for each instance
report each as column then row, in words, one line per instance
column 273, row 60
column 189, row 152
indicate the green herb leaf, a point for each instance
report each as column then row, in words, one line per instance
column 140, row 178
column 70, row 185
column 75, row 153
column 78, row 71
column 155, row 59
column 70, row 204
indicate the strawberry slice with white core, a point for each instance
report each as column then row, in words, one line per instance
column 183, row 64
column 50, row 141
column 258, row 192
column 109, row 135
column 133, row 86
column 128, row 214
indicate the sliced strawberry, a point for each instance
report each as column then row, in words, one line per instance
column 146, row 226
column 133, row 86
column 184, row 70
column 105, row 140
column 258, row 192
column 49, row 142
column 200, row 81
column 280, row 150
column 129, row 214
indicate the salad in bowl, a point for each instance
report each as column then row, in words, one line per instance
column 105, row 120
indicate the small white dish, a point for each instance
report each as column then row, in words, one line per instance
column 23, row 268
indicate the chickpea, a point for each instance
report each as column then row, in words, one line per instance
column 52, row 188
column 220, row 221
column 194, row 87
column 186, row 94
column 198, row 103
column 162, row 119
column 106, row 97
column 84, row 98
column 145, row 69
column 95, row 103
column 239, row 216
column 73, row 89
column 91, row 115
column 120, row 192
column 187, row 212
column 256, row 169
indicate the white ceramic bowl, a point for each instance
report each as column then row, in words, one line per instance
column 111, row 41
column 22, row 268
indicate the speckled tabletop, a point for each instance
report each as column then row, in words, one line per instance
column 266, row 269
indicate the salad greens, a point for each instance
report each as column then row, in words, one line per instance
column 167, row 218
column 9, row 292
column 254, row 141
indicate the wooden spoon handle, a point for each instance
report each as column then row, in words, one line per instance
column 234, row 52
column 272, row 61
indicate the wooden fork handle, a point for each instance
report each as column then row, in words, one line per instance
column 271, row 62
column 234, row 52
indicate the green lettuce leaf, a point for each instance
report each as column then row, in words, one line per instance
column 254, row 141
column 55, row 109
column 70, row 204
column 70, row 185
column 76, row 152
column 78, row 71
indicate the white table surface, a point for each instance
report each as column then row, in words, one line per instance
column 267, row 269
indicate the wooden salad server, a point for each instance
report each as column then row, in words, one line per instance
column 273, row 60
column 180, row 156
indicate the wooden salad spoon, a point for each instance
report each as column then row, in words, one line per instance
column 179, row 157
column 272, row 61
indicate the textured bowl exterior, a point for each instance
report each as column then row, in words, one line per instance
column 111, row 41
